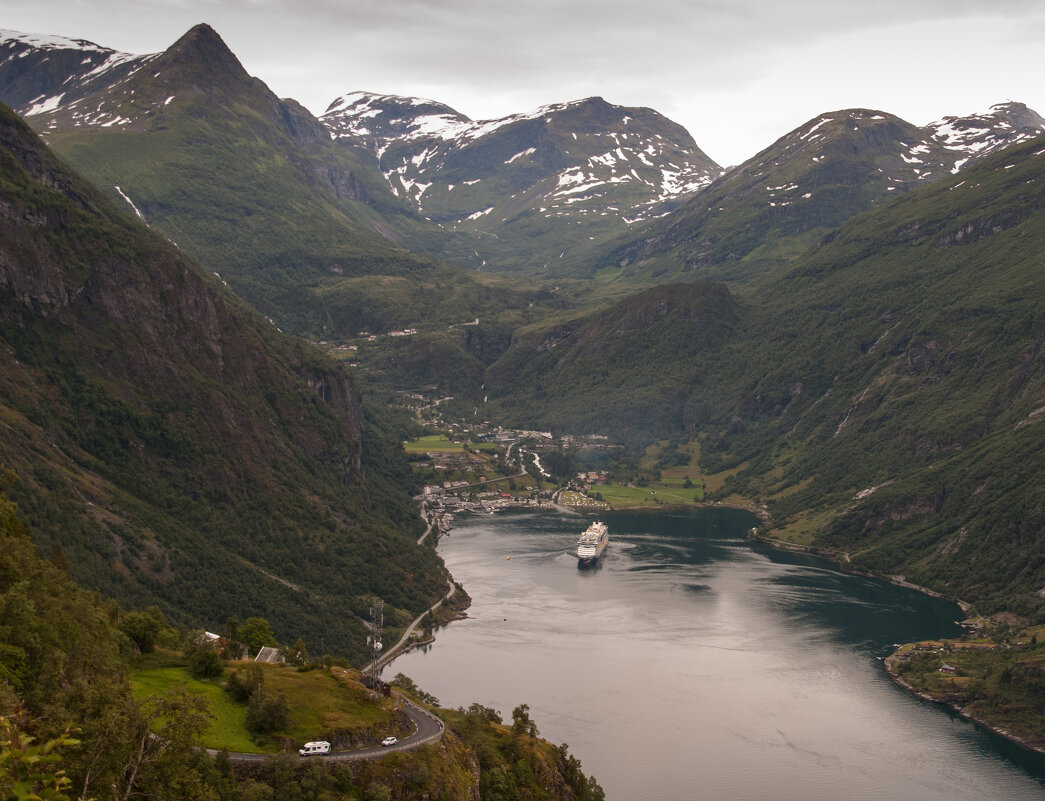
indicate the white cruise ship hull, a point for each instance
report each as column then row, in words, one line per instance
column 592, row 543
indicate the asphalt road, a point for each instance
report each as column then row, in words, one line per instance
column 393, row 652
column 427, row 729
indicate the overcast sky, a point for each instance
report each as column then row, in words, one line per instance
column 738, row 74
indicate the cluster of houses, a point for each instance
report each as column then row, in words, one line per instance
column 438, row 504
column 592, row 477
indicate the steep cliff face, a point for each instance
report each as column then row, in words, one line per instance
column 173, row 443
column 155, row 308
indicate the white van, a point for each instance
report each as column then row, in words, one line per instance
column 318, row 747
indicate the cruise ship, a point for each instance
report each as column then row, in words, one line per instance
column 592, row 543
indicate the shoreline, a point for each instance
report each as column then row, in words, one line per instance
column 836, row 558
column 994, row 728
column 840, row 560
column 758, row 511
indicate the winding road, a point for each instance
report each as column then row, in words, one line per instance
column 427, row 729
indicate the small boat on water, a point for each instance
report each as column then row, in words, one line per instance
column 592, row 543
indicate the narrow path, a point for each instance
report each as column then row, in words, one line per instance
column 421, row 539
column 393, row 652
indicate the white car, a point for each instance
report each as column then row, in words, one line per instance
column 389, row 741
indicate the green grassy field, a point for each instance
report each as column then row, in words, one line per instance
column 438, row 443
column 320, row 703
column 434, row 443
column 226, row 729
column 657, row 494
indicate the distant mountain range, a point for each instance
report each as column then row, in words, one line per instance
column 805, row 184
column 589, row 162
column 850, row 321
column 562, row 190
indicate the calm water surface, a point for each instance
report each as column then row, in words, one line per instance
column 691, row 664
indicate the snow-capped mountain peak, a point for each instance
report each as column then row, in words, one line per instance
column 978, row 135
column 43, row 74
column 561, row 160
column 378, row 120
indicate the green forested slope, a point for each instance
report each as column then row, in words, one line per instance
column 175, row 446
column 902, row 353
column 906, row 354
column 253, row 188
column 627, row 370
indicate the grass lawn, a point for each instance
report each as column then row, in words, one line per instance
column 320, row 703
column 621, row 497
column 433, row 442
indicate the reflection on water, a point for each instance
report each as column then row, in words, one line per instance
column 690, row 664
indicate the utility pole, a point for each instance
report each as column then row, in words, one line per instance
column 377, row 615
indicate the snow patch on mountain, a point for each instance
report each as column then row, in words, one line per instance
column 47, row 42
column 978, row 135
column 636, row 168
column 528, row 152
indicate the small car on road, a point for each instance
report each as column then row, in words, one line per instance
column 390, row 741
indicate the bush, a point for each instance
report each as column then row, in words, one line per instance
column 204, row 663
column 266, row 713
column 242, row 685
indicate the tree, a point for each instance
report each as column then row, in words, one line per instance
column 404, row 682
column 297, row 654
column 241, row 685
column 486, row 713
column 256, row 633
column 521, row 722
column 59, row 559
column 151, row 746
column 143, row 629
column 204, row 660
column 266, row 713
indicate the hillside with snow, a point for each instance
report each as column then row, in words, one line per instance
column 575, row 188
column 586, row 162
column 807, row 183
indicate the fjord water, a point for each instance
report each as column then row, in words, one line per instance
column 693, row 664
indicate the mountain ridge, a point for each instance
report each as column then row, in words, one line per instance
column 584, row 161
column 575, row 189
column 762, row 213
column 159, row 427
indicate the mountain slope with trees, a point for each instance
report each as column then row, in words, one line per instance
column 250, row 185
column 766, row 212
column 883, row 397
column 900, row 381
column 70, row 725
column 627, row 370
column 171, row 443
